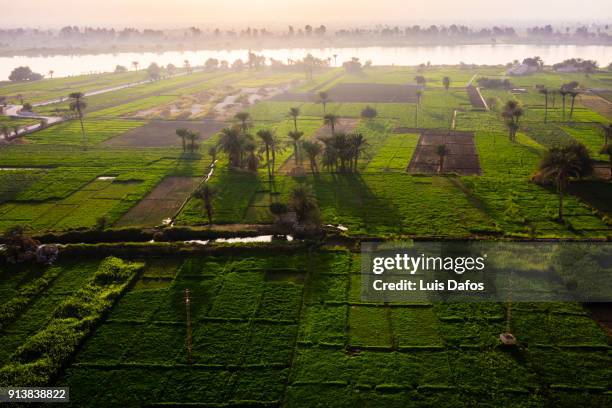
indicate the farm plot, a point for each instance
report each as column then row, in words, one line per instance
column 82, row 208
column 462, row 157
column 244, row 317
column 265, row 334
column 358, row 92
column 161, row 203
column 96, row 131
column 597, row 104
column 347, row 92
column 30, row 294
column 163, row 133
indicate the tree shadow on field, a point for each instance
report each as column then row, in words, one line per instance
column 352, row 198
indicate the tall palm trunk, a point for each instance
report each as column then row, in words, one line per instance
column 572, row 107
column 563, row 105
column 313, row 164
column 83, row 130
column 268, row 161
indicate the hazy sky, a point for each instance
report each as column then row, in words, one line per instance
column 173, row 13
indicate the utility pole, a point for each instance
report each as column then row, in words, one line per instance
column 187, row 301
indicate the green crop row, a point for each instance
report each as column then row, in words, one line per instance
column 43, row 354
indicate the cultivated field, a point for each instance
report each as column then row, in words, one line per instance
column 284, row 324
column 163, row 133
column 462, row 157
column 290, row 330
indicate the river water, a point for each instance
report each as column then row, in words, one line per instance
column 471, row 54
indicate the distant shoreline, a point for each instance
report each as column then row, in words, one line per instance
column 257, row 46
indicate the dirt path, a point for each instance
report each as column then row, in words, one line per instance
column 16, row 111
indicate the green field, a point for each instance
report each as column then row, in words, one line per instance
column 275, row 330
column 284, row 324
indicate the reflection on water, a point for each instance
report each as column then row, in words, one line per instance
column 64, row 65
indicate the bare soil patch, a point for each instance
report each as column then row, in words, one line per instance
column 597, row 104
column 462, row 156
column 161, row 203
column 160, row 133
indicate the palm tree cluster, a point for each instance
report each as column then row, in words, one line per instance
column 241, row 148
column 571, row 89
column 186, row 134
column 301, row 203
column 512, row 113
column 341, row 151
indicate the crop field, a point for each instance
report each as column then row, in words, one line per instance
column 283, row 323
column 290, row 330
column 461, row 158
column 163, row 133
column 161, row 203
column 96, row 131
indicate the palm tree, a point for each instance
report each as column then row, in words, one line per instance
column 252, row 162
column 294, row 113
column 305, row 206
column 324, row 98
column 312, row 149
column 78, row 105
column 442, row 152
column 267, row 138
column 563, row 91
column 182, row 133
column 573, row 94
column 206, row 193
column 135, row 65
column 545, row 92
column 192, row 136
column 559, row 165
column 51, row 72
column 607, row 150
column 419, row 95
column 296, row 135
column 331, row 120
column 512, row 113
column 446, row 82
column 244, row 118
column 231, row 143
column 357, row 144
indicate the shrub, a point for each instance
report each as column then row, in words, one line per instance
column 369, row 112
